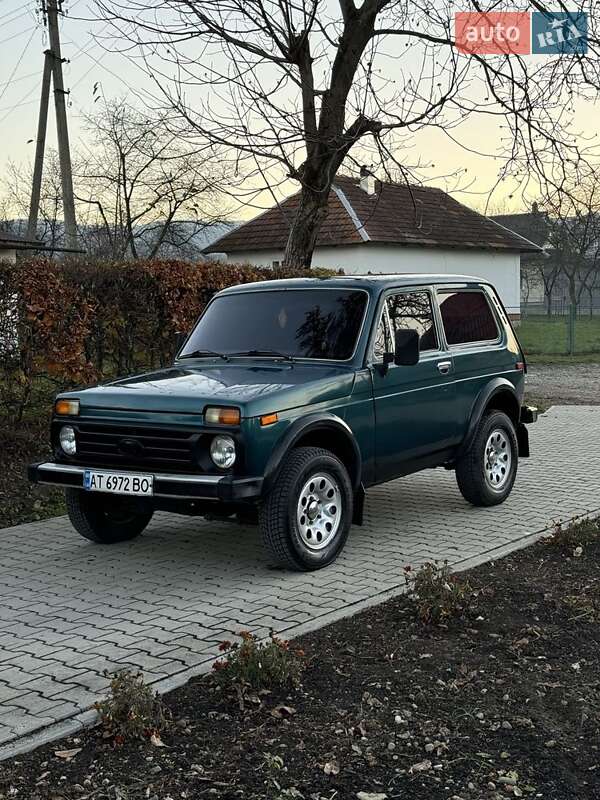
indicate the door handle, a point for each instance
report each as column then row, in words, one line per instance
column 444, row 367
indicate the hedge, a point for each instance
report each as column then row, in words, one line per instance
column 64, row 324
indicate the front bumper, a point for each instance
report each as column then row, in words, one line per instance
column 179, row 487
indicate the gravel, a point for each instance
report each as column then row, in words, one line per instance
column 564, row 384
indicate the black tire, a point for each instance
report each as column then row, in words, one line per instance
column 105, row 519
column 474, row 480
column 279, row 512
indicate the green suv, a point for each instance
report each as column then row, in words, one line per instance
column 289, row 399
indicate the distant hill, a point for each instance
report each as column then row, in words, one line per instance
column 186, row 238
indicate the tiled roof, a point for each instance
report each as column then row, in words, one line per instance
column 394, row 214
column 533, row 225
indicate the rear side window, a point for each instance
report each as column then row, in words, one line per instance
column 467, row 317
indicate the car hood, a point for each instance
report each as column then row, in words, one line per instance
column 256, row 388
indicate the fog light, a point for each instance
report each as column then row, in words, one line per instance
column 222, row 451
column 67, row 440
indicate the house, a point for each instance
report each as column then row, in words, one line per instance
column 545, row 275
column 534, row 225
column 11, row 244
column 375, row 227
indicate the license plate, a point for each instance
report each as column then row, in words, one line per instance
column 118, row 482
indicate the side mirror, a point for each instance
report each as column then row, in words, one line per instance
column 407, row 348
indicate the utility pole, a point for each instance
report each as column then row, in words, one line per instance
column 51, row 10
column 40, row 147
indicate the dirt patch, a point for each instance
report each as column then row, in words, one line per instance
column 563, row 384
column 21, row 501
column 504, row 702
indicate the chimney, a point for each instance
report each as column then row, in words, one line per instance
column 535, row 208
column 367, row 180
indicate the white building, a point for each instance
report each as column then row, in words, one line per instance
column 375, row 227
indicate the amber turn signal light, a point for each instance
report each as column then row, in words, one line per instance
column 268, row 419
column 68, row 408
column 222, row 416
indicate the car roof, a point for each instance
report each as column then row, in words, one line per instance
column 372, row 283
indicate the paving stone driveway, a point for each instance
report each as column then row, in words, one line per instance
column 70, row 610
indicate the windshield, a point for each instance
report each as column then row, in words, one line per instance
column 302, row 323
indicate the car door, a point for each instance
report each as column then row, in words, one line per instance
column 415, row 409
column 476, row 342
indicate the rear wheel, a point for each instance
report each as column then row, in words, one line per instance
column 487, row 472
column 106, row 519
column 306, row 517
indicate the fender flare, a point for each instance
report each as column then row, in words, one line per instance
column 319, row 421
column 494, row 387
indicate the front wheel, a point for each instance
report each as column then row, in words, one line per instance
column 306, row 517
column 106, row 519
column 487, row 471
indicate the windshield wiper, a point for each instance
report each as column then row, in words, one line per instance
column 201, row 353
column 274, row 353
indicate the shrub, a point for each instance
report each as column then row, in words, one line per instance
column 575, row 534
column 74, row 322
column 251, row 664
column 438, row 593
column 132, row 710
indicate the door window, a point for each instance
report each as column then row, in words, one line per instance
column 413, row 311
column 467, row 317
column 383, row 340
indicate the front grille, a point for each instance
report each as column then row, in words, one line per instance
column 143, row 447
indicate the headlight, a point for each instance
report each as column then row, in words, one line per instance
column 222, row 451
column 67, row 440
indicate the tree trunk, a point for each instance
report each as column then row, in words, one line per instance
column 305, row 227
column 548, row 294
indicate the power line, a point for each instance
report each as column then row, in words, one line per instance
column 17, row 65
column 20, row 33
column 122, row 80
column 87, row 72
column 21, row 78
column 10, row 109
column 18, row 16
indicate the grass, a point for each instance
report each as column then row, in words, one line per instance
column 545, row 337
column 546, row 359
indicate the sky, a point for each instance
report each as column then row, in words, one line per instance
column 23, row 39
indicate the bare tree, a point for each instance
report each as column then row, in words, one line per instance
column 295, row 87
column 16, row 193
column 575, row 235
column 144, row 188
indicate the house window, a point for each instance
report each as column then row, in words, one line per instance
column 467, row 317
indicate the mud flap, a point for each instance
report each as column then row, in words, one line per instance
column 359, row 505
column 523, row 440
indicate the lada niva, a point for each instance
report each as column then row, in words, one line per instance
column 289, row 399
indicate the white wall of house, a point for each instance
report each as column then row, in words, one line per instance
column 8, row 256
column 502, row 269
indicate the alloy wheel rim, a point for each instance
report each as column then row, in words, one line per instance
column 497, row 460
column 319, row 511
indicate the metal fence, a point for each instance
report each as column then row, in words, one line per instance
column 565, row 330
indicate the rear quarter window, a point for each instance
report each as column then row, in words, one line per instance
column 467, row 317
